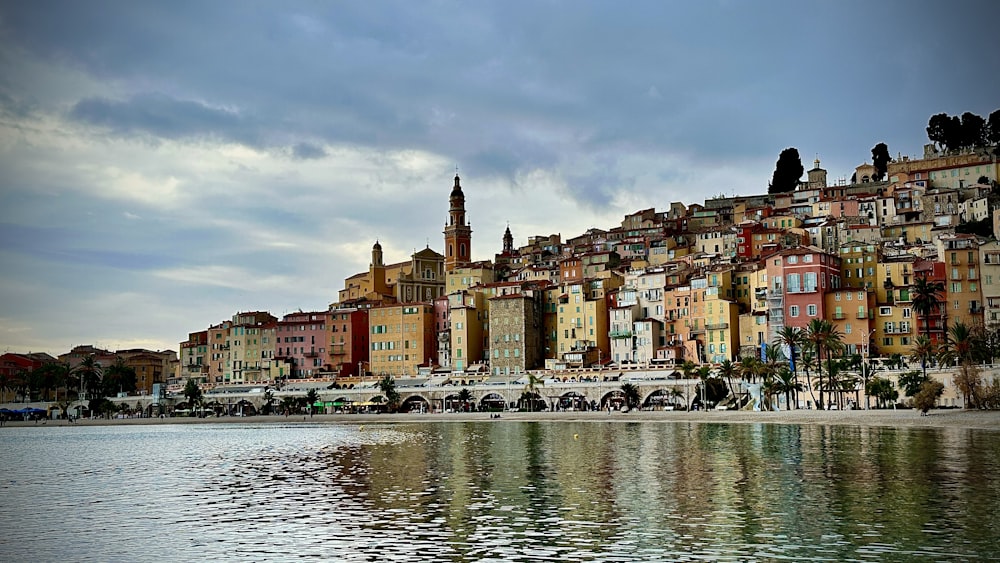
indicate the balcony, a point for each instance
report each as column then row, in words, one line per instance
column 697, row 330
column 717, row 326
column 338, row 349
column 898, row 330
column 620, row 334
column 863, row 315
column 839, row 316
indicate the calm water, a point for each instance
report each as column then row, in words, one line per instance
column 498, row 491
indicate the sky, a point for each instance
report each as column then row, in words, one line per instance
column 164, row 165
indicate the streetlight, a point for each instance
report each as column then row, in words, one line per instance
column 864, row 366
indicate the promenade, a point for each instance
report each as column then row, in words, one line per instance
column 941, row 418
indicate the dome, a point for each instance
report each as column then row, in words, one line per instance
column 456, row 191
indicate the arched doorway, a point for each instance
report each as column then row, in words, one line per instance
column 492, row 402
column 414, row 403
column 573, row 401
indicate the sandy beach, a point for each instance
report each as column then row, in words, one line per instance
column 945, row 418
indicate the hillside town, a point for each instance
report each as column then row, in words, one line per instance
column 882, row 259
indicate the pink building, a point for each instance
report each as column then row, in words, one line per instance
column 301, row 341
column 797, row 280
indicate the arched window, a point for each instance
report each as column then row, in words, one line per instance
column 451, row 249
column 462, row 250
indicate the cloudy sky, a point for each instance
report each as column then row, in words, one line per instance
column 164, row 165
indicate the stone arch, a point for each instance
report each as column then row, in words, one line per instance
column 492, row 402
column 415, row 403
column 572, row 400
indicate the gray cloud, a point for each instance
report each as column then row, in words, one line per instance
column 307, row 151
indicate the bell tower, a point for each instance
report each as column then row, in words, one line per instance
column 457, row 232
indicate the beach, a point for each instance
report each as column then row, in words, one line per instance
column 943, row 418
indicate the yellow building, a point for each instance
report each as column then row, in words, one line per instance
column 469, row 314
column 401, row 338
column 479, row 273
column 582, row 321
column 960, row 254
column 849, row 311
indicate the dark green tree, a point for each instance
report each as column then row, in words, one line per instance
column 926, row 295
column 118, row 378
column 631, row 393
column 993, row 128
column 192, row 393
column 388, row 387
column 973, row 130
column 880, row 159
column 465, row 397
column 90, row 373
column 883, row 390
column 937, row 130
column 911, row 381
column 794, row 338
column 787, row 172
column 311, row 397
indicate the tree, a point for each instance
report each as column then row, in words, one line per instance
column 464, row 397
column 534, row 382
column 311, row 397
column 928, row 394
column 883, row 390
column 792, row 338
column 923, row 350
column 90, row 372
column 726, row 370
column 973, row 130
column 964, row 347
column 388, row 387
column 911, row 381
column 937, row 130
column 268, row 401
column 926, row 296
column 880, row 158
column 993, row 128
column 822, row 335
column 118, row 378
column 787, row 172
column 631, row 393
column 192, row 393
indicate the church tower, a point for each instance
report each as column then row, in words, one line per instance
column 457, row 233
column 376, row 271
column 508, row 242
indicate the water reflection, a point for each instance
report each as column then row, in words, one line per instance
column 499, row 491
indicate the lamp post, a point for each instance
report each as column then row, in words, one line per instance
column 864, row 366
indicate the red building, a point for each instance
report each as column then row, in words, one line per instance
column 936, row 324
column 348, row 341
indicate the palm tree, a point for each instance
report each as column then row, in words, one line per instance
column 268, row 401
column 465, row 396
column 823, row 335
column 727, row 369
column 90, row 373
column 388, row 387
column 923, row 350
column 787, row 383
column 192, row 393
column 793, row 338
column 311, row 397
column 926, row 297
column 631, row 393
column 534, row 382
column 963, row 346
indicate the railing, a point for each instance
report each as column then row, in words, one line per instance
column 717, row 326
column 839, row 316
column 862, row 315
column 620, row 334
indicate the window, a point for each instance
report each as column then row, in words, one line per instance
column 808, row 258
column 884, row 311
column 792, row 259
column 811, row 310
column 793, row 311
